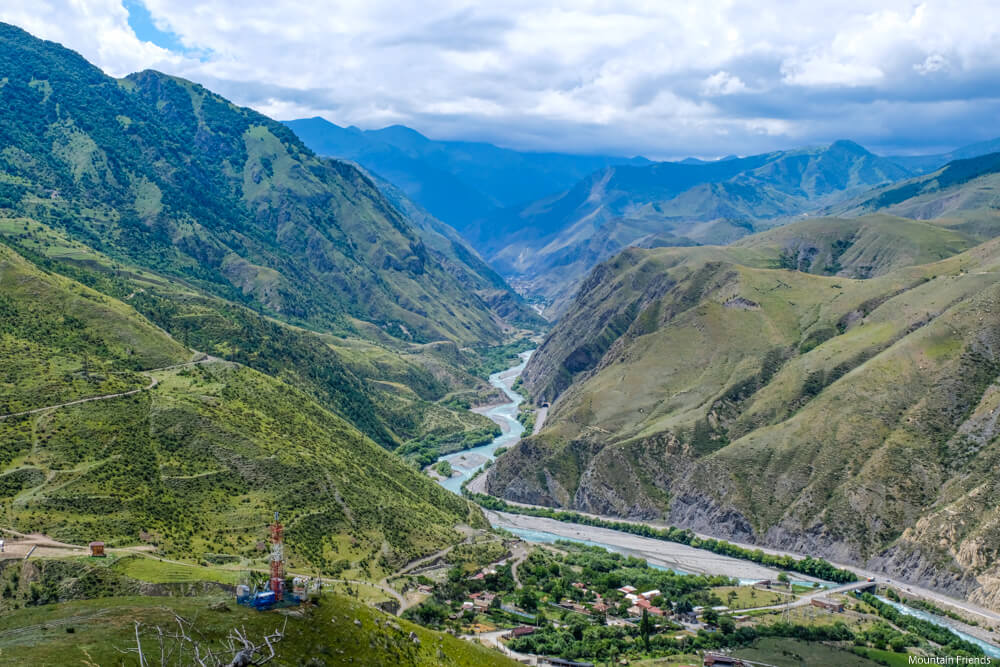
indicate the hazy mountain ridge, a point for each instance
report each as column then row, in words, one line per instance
column 554, row 243
column 460, row 182
column 860, row 406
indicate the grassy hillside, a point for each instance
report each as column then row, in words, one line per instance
column 62, row 341
column 862, row 407
column 859, row 247
column 162, row 173
column 338, row 631
column 359, row 380
column 197, row 463
column 964, row 194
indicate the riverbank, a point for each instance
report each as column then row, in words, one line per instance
column 671, row 555
column 678, row 557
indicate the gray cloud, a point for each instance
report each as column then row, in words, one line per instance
column 661, row 79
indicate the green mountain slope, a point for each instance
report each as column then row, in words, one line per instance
column 460, row 260
column 198, row 461
column 820, row 413
column 97, row 631
column 964, row 194
column 165, row 174
column 398, row 394
column 552, row 244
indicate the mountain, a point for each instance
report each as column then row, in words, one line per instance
column 459, row 182
column 848, row 418
column 463, row 262
column 965, row 194
column 160, row 172
column 188, row 452
column 551, row 244
column 922, row 164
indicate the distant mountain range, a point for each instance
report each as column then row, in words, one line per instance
column 460, row 182
column 544, row 220
column 554, row 243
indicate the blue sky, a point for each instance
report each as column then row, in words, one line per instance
column 662, row 79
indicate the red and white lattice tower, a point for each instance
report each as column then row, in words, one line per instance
column 277, row 559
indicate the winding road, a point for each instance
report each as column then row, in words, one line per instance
column 204, row 359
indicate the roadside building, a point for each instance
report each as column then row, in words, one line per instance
column 829, row 605
column 720, row 660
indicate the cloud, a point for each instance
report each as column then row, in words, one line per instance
column 722, row 83
column 661, row 79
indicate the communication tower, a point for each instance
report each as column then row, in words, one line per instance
column 277, row 559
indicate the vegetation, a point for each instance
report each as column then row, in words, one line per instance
column 162, row 173
column 336, row 631
column 849, row 406
column 919, row 627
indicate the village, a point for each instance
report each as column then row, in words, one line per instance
column 570, row 604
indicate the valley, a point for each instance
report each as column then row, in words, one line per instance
column 363, row 396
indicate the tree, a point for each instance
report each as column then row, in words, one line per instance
column 645, row 628
column 727, row 625
column 527, row 600
column 710, row 616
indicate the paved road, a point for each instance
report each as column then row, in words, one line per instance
column 152, row 383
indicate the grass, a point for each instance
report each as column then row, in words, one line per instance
column 328, row 634
column 782, row 652
column 157, row 571
column 748, row 597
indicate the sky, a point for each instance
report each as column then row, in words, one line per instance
column 659, row 78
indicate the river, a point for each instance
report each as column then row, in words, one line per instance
column 666, row 555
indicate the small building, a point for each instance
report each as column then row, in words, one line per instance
column 424, row 588
column 97, row 549
column 649, row 595
column 829, row 605
column 635, row 611
column 520, row 631
column 655, row 611
column 562, row 662
column 627, row 589
column 720, row 660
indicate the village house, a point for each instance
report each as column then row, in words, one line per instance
column 829, row 605
column 520, row 631
column 627, row 590
column 719, row 660
column 649, row 595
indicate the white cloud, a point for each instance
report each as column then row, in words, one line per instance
column 659, row 77
column 722, row 83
